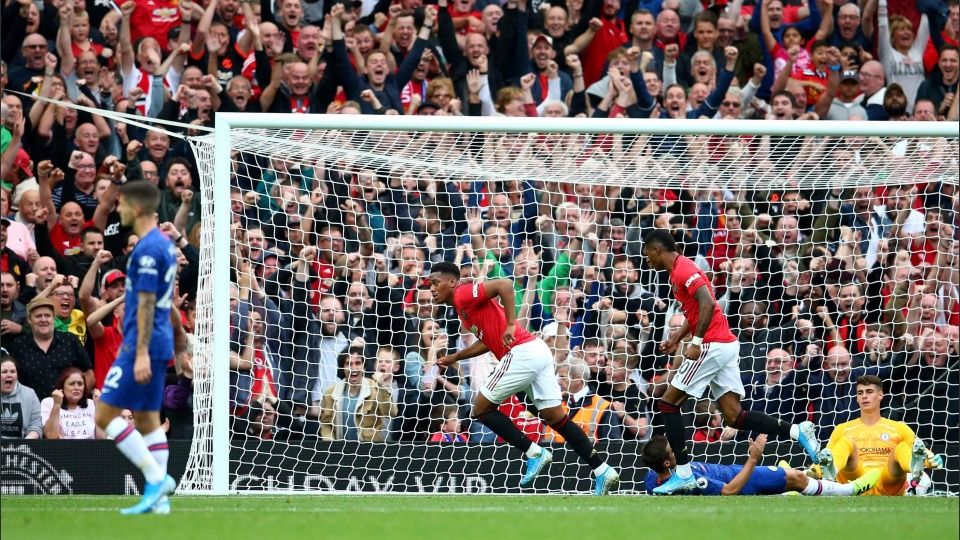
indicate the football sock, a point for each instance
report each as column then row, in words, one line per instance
column 757, row 421
column 130, row 443
column 826, row 488
column 904, row 455
column 534, row 450
column 577, row 439
column 502, row 426
column 674, row 428
column 157, row 444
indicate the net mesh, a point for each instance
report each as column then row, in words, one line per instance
column 832, row 257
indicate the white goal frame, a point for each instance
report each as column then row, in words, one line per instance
column 218, row 361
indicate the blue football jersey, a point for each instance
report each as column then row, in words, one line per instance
column 711, row 478
column 151, row 268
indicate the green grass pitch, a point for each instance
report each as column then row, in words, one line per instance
column 485, row 517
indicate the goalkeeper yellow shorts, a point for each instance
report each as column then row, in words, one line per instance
column 889, row 485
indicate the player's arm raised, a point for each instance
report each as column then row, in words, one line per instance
column 146, row 310
column 754, row 453
column 503, row 288
column 706, row 304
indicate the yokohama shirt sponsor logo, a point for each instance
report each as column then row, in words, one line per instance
column 691, row 280
column 476, row 289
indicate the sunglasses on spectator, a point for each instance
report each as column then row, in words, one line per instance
column 35, row 46
column 731, row 103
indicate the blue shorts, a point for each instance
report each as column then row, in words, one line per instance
column 122, row 390
column 766, row 481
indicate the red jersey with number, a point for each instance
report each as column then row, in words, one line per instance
column 685, row 279
column 484, row 318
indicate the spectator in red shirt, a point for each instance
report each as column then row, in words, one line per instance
column 611, row 35
column 154, row 18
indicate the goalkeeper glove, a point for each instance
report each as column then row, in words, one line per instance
column 934, row 461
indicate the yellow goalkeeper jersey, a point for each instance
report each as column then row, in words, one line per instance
column 874, row 443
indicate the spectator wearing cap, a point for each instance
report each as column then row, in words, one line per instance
column 841, row 100
column 13, row 314
column 43, row 353
column 550, row 82
column 19, row 406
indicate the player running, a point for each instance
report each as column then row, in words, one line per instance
column 712, row 358
column 526, row 364
column 746, row 479
column 135, row 381
column 873, row 443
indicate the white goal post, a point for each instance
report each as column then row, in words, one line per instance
column 215, row 462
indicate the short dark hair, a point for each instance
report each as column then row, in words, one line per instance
column 655, row 453
column 819, row 44
column 661, row 237
column 867, row 380
column 949, row 47
column 90, row 230
column 141, row 194
column 788, row 95
column 446, row 268
column 708, row 17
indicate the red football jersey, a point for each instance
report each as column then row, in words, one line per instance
column 484, row 317
column 685, row 279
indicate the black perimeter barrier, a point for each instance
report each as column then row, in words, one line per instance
column 97, row 468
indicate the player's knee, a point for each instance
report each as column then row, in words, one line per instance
column 796, row 480
column 482, row 408
column 553, row 416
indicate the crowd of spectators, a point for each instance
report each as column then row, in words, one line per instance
column 334, row 333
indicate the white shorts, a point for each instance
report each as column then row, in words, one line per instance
column 718, row 366
column 526, row 368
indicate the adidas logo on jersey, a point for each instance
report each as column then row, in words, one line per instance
column 8, row 416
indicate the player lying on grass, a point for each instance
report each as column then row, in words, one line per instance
column 874, row 443
column 526, row 364
column 712, row 360
column 746, row 479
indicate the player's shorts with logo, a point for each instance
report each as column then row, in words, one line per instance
column 121, row 389
column 526, row 368
column 718, row 367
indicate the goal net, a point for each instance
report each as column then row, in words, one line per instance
column 831, row 247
